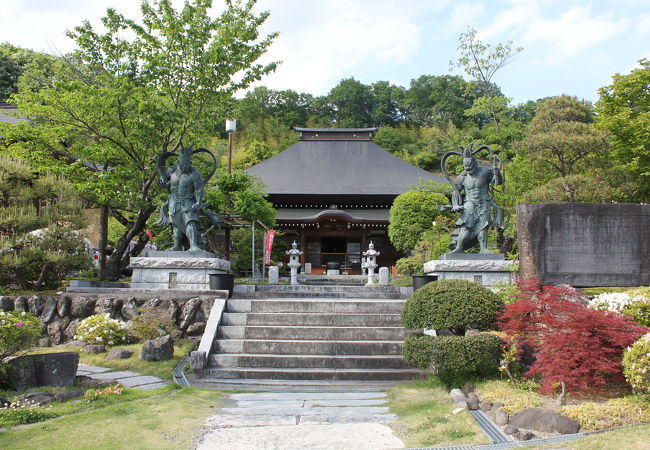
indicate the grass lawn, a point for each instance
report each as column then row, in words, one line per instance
column 160, row 369
column 425, row 417
column 628, row 438
column 163, row 418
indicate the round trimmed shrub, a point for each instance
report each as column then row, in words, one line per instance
column 418, row 350
column 636, row 365
column 102, row 330
column 19, row 330
column 639, row 310
column 455, row 359
column 455, row 304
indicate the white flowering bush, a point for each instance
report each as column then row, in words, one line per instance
column 611, row 301
column 636, row 365
column 102, row 330
column 19, row 330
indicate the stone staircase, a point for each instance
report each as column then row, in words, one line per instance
column 311, row 336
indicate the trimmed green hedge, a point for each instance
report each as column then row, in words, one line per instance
column 458, row 358
column 454, row 359
column 456, row 304
column 418, row 351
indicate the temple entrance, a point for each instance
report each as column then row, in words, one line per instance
column 343, row 250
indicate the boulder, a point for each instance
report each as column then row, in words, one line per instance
column 544, row 420
column 457, row 396
column 37, row 398
column 20, row 303
column 119, row 353
column 54, row 332
column 63, row 305
column 524, row 435
column 82, row 307
column 188, row 311
column 510, row 430
column 76, row 343
column 71, row 329
column 501, row 418
column 4, row 402
column 472, row 401
column 467, row 388
column 36, row 304
column 93, row 348
column 473, row 332
column 49, row 310
column 6, row 303
column 130, row 309
column 45, row 342
column 206, row 306
column 160, row 349
column 49, row 369
column 196, row 329
column 86, row 381
column 104, row 306
column 67, row 395
column 486, row 407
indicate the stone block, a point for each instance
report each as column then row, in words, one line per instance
column 585, row 244
column 51, row 369
column 544, row 420
column 383, row 276
column 274, row 275
column 485, row 272
column 160, row 349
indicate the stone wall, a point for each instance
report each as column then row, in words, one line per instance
column 61, row 314
column 585, row 244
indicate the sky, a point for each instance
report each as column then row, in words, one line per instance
column 569, row 46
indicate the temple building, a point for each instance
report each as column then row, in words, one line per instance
column 333, row 190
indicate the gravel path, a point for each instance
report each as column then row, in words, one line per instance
column 305, row 420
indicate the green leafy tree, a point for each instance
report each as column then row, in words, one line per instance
column 481, row 61
column 561, row 140
column 353, row 104
column 137, row 90
column 38, row 214
column 411, row 215
column 438, row 100
column 624, row 111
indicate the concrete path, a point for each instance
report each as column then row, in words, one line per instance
column 304, row 420
column 124, row 377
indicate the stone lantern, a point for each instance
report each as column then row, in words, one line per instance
column 371, row 263
column 294, row 262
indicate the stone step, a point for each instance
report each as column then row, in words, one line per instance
column 327, row 294
column 307, row 347
column 316, row 319
column 312, row 332
column 323, row 387
column 311, row 374
column 326, row 288
column 250, row 360
column 324, row 305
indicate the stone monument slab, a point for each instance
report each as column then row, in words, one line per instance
column 485, row 272
column 585, row 244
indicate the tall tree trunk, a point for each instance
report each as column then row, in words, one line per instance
column 119, row 260
column 103, row 240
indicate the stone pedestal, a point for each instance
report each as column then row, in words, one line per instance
column 165, row 270
column 487, row 270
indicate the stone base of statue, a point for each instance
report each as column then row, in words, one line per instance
column 176, row 270
column 483, row 268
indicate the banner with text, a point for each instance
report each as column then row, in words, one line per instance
column 270, row 234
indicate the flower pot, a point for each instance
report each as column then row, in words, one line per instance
column 421, row 280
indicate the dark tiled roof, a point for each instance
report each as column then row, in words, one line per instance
column 339, row 168
column 7, row 114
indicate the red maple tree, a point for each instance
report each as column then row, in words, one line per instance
column 579, row 346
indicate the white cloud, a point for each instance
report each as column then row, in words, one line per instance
column 573, row 32
column 339, row 38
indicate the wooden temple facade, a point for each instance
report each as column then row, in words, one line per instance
column 333, row 190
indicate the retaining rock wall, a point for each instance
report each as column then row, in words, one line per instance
column 61, row 314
